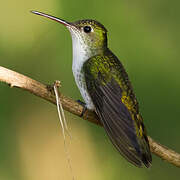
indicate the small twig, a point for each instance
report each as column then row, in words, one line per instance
column 15, row 79
column 63, row 123
column 59, row 109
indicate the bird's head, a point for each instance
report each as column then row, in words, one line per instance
column 89, row 34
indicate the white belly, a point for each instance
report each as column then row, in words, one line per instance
column 80, row 81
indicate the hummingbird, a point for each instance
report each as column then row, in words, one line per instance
column 106, row 89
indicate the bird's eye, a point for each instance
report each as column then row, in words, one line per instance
column 87, row 29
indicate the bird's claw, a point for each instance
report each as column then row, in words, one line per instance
column 84, row 107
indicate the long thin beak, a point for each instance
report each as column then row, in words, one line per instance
column 53, row 18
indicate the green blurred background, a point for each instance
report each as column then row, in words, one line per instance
column 143, row 34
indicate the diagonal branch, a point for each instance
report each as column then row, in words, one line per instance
column 15, row 79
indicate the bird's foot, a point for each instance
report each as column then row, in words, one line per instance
column 84, row 107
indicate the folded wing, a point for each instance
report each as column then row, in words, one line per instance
column 119, row 120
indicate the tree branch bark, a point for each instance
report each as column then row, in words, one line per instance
column 15, row 79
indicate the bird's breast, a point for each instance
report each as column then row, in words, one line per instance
column 80, row 56
column 80, row 81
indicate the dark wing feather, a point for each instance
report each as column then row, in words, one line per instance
column 106, row 94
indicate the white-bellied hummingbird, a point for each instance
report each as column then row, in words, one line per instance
column 106, row 89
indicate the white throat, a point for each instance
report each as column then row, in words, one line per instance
column 80, row 51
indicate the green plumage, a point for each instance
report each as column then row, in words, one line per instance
column 116, row 105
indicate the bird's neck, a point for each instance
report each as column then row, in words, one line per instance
column 81, row 53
